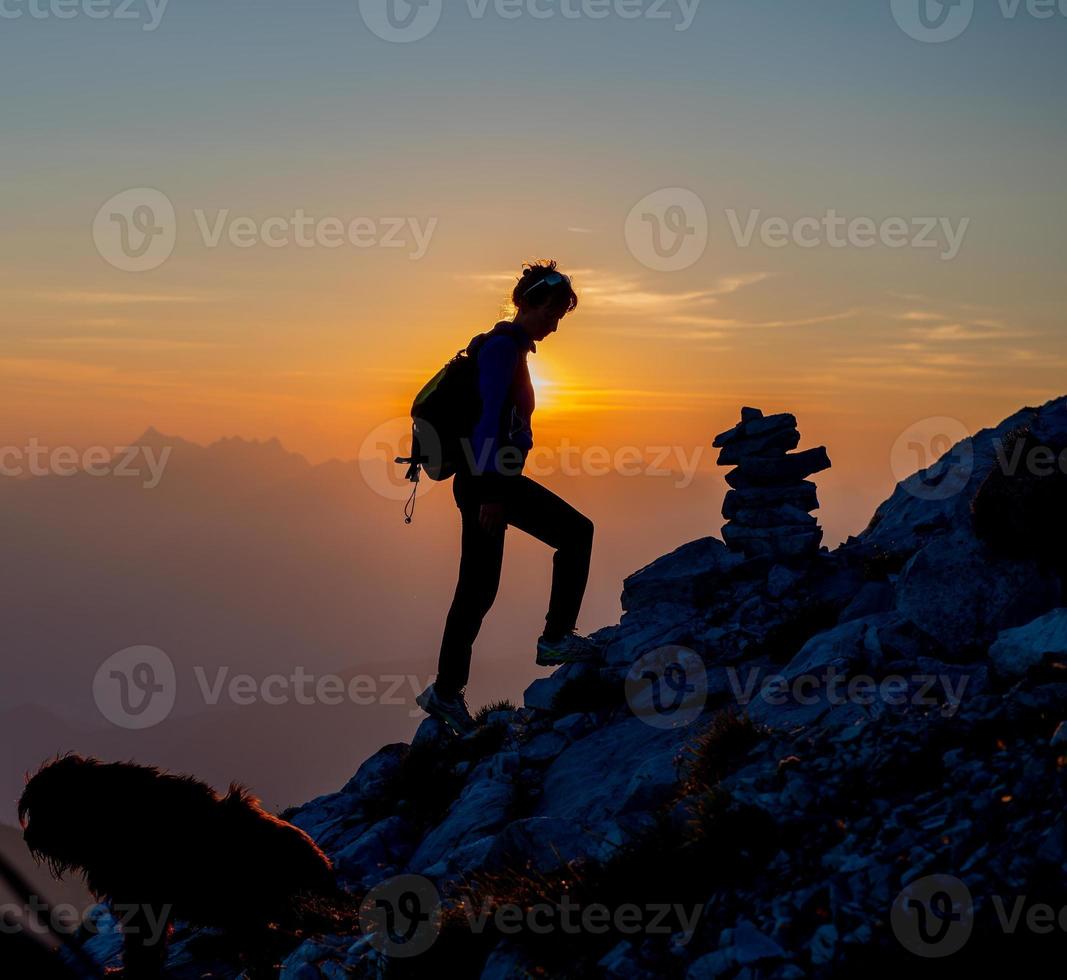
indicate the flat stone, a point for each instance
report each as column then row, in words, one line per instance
column 773, row 443
column 777, row 542
column 778, row 471
column 802, row 495
column 785, row 516
column 757, row 426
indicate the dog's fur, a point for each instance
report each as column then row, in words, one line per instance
column 172, row 848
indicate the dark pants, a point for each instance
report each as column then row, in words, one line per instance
column 539, row 512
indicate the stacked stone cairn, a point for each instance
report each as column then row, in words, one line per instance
column 768, row 506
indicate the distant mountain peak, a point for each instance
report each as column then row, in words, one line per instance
column 153, row 437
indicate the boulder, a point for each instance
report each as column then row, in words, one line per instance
column 1043, row 639
column 431, row 732
column 304, row 962
column 804, row 691
column 677, row 577
column 372, row 778
column 955, row 590
column 541, row 694
column 939, row 497
column 543, row 748
column 544, row 845
column 385, row 845
column 508, row 961
column 589, row 780
column 483, row 807
column 752, row 946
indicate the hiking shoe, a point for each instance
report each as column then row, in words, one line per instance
column 572, row 649
column 451, row 711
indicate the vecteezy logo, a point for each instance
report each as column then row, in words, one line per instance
column 933, row 916
column 135, row 231
column 401, row 21
column 668, row 687
column 933, row 21
column 401, row 916
column 136, row 687
column 940, row 450
column 668, row 230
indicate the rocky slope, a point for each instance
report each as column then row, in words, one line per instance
column 847, row 765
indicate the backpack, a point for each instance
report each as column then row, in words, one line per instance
column 443, row 415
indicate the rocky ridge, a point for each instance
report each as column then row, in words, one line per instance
column 866, row 719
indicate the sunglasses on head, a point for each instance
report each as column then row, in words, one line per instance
column 552, row 279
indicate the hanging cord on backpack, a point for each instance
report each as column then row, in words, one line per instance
column 414, row 461
column 409, row 507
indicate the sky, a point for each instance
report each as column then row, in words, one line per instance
column 519, row 130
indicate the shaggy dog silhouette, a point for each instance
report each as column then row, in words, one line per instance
column 161, row 847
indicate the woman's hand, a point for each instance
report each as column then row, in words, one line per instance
column 491, row 518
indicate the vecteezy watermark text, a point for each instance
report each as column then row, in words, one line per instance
column 150, row 12
column 406, row 21
column 136, row 688
column 669, row 230
column 304, row 231
column 575, row 918
column 302, row 687
column 137, row 230
column 836, row 687
column 33, row 459
column 392, row 439
column 833, row 230
column 402, row 916
column 39, row 917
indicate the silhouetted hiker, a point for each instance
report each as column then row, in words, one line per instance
column 492, row 493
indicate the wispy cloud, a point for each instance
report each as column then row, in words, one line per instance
column 91, row 298
column 731, row 323
column 969, row 332
column 628, row 295
column 125, row 343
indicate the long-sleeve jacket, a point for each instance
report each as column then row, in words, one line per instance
column 503, row 435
